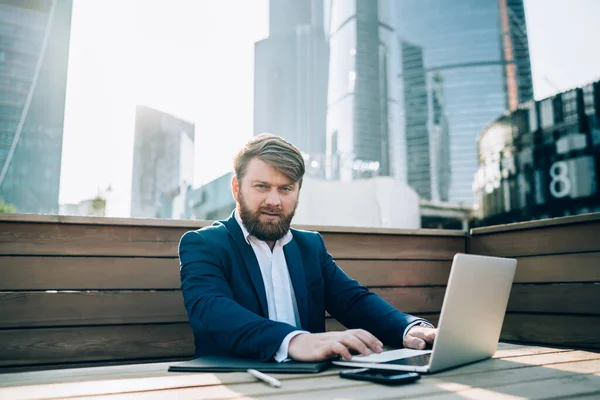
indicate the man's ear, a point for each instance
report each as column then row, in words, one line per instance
column 235, row 187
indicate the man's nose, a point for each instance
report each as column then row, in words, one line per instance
column 273, row 198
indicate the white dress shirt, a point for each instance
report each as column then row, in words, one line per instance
column 281, row 300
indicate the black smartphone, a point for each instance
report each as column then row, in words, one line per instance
column 385, row 376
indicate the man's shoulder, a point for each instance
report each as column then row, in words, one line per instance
column 306, row 237
column 217, row 232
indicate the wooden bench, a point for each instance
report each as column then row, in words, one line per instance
column 79, row 291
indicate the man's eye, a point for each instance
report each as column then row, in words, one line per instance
column 287, row 189
column 260, row 186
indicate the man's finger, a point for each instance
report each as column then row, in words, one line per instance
column 371, row 341
column 426, row 334
column 338, row 348
column 431, row 336
column 353, row 342
column 413, row 342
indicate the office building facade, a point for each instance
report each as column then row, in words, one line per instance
column 475, row 59
column 541, row 160
column 361, row 115
column 163, row 164
column 32, row 179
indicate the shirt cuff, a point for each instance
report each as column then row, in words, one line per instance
column 417, row 322
column 282, row 352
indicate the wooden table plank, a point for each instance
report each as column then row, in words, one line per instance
column 592, row 396
column 179, row 385
column 521, row 350
column 499, row 364
column 565, row 386
column 529, row 382
column 85, row 374
column 315, row 384
column 526, row 374
column 516, row 370
column 160, row 369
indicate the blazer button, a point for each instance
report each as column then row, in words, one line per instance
column 262, row 354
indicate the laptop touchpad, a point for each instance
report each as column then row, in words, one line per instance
column 390, row 355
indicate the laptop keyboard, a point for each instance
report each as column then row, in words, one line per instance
column 415, row 361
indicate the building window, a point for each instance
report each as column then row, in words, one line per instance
column 351, row 80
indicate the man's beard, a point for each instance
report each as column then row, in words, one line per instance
column 268, row 230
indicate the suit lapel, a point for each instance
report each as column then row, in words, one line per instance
column 250, row 260
column 293, row 259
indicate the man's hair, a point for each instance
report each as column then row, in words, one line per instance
column 274, row 151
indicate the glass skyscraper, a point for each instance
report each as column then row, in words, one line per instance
column 290, row 79
column 32, row 180
column 361, row 120
column 474, row 57
column 416, row 115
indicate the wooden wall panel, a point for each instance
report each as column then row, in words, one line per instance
column 97, row 273
column 557, row 330
column 95, row 343
column 577, row 237
column 390, row 247
column 559, row 268
column 397, row 272
column 34, row 309
column 88, row 240
column 88, row 273
column 555, row 299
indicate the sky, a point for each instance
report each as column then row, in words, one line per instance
column 195, row 59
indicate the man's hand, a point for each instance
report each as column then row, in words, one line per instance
column 320, row 346
column 419, row 337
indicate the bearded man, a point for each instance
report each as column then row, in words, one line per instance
column 255, row 288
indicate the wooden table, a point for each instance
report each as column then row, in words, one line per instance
column 515, row 372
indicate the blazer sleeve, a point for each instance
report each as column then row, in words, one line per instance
column 357, row 308
column 211, row 307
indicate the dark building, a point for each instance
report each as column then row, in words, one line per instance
column 476, row 61
column 416, row 118
column 440, row 138
column 163, row 164
column 34, row 50
column 541, row 160
column 290, row 78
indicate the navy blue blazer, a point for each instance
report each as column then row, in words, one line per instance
column 225, row 297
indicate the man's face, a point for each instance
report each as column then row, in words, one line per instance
column 266, row 200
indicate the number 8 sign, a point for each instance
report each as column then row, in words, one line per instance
column 560, row 186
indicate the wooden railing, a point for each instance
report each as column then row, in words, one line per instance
column 556, row 296
column 97, row 290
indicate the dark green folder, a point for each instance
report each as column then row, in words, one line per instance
column 231, row 364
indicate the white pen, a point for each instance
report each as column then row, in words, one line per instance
column 264, row 377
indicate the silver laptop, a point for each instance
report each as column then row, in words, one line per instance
column 470, row 322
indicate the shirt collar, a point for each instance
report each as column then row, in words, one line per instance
column 284, row 240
